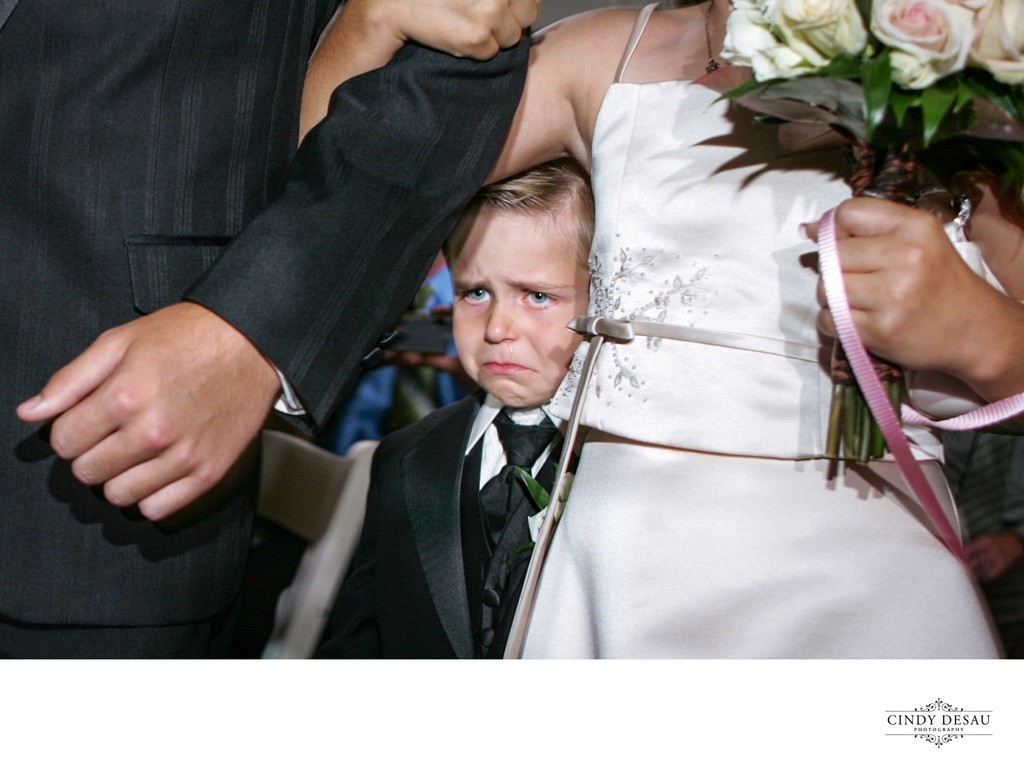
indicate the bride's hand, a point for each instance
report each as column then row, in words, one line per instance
column 914, row 301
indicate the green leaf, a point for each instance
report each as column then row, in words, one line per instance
column 842, row 67
column 810, row 99
column 1012, row 181
column 876, row 77
column 746, row 88
column 936, row 101
column 1009, row 98
column 901, row 101
column 964, row 96
column 535, row 489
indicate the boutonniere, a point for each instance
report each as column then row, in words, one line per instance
column 541, row 498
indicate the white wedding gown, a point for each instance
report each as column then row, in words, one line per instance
column 702, row 521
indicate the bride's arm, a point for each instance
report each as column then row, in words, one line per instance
column 365, row 34
column 572, row 63
column 997, row 228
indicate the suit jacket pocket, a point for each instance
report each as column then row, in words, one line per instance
column 163, row 267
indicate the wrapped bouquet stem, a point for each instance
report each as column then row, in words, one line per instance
column 853, row 433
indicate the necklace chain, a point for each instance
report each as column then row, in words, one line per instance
column 713, row 64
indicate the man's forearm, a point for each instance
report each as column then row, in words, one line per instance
column 317, row 278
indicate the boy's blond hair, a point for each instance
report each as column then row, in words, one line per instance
column 543, row 191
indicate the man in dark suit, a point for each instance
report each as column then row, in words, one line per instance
column 986, row 472
column 138, row 140
column 446, row 540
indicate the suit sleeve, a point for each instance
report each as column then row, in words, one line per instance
column 317, row 278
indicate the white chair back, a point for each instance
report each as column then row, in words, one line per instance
column 321, row 497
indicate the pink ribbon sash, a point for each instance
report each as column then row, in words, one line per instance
column 878, row 401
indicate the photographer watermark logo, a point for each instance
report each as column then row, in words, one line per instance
column 938, row 723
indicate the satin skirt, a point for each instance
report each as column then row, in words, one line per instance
column 668, row 553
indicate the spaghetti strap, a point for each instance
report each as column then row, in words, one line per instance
column 634, row 38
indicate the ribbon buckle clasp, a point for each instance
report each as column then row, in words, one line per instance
column 610, row 329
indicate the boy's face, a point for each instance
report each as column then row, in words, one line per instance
column 518, row 283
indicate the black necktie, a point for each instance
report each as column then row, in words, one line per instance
column 523, row 445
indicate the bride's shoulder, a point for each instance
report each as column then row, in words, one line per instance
column 602, row 32
column 579, row 55
column 671, row 48
column 595, row 41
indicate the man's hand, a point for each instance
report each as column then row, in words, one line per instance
column 365, row 35
column 992, row 555
column 464, row 28
column 157, row 410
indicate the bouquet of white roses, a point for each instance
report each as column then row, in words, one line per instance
column 914, row 86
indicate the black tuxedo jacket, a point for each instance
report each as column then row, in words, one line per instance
column 136, row 140
column 405, row 593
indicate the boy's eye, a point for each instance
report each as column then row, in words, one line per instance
column 539, row 298
column 475, row 295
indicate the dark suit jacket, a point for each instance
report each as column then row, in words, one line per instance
column 136, row 139
column 405, row 594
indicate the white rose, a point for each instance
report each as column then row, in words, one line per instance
column 820, row 30
column 973, row 5
column 759, row 11
column 750, row 42
column 930, row 39
column 999, row 41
